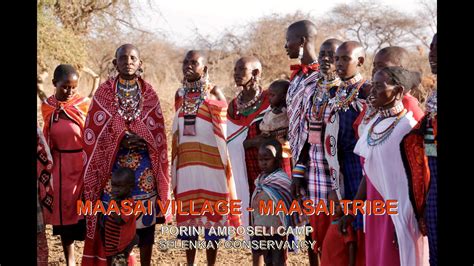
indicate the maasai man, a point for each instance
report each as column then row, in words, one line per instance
column 340, row 136
column 379, row 146
column 318, row 183
column 195, row 63
column 125, row 128
column 63, row 114
column 300, row 44
column 430, row 126
column 201, row 168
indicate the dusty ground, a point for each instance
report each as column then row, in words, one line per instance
column 170, row 256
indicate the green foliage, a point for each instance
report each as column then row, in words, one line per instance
column 55, row 43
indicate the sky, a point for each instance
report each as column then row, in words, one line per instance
column 178, row 19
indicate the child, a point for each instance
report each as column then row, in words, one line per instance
column 338, row 249
column 120, row 230
column 275, row 123
column 272, row 184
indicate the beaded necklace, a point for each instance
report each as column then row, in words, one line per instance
column 342, row 100
column 250, row 106
column 375, row 138
column 195, row 93
column 321, row 96
column 392, row 111
column 128, row 99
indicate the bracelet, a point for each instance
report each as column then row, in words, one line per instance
column 298, row 170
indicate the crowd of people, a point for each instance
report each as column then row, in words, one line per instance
column 326, row 134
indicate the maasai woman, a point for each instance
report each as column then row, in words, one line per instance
column 422, row 139
column 379, row 146
column 125, row 128
column 63, row 115
column 200, row 167
column 244, row 116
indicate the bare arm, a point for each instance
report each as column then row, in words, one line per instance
column 96, row 78
column 218, row 94
column 39, row 85
column 361, row 195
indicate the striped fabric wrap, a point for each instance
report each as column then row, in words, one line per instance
column 297, row 105
column 201, row 168
column 277, row 186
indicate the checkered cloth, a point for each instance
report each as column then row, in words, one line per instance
column 351, row 167
column 319, row 178
column 350, row 162
column 431, row 211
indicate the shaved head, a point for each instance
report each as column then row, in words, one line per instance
column 395, row 54
column 333, row 41
column 126, row 46
column 304, row 28
column 354, row 47
column 246, row 69
column 251, row 62
column 199, row 54
column 350, row 56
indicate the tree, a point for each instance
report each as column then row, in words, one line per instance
column 372, row 24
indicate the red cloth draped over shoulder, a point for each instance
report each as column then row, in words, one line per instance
column 418, row 172
column 242, row 120
column 75, row 108
column 104, row 129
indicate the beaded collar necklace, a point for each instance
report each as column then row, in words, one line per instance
column 343, row 97
column 128, row 98
column 392, row 111
column 195, row 93
column 375, row 138
column 321, row 96
column 250, row 106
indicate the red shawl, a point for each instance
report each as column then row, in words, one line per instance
column 104, row 129
column 75, row 109
column 242, row 120
column 418, row 172
column 45, row 180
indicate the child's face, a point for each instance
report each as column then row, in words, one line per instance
column 346, row 62
column 277, row 96
column 66, row 87
column 267, row 160
column 121, row 187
